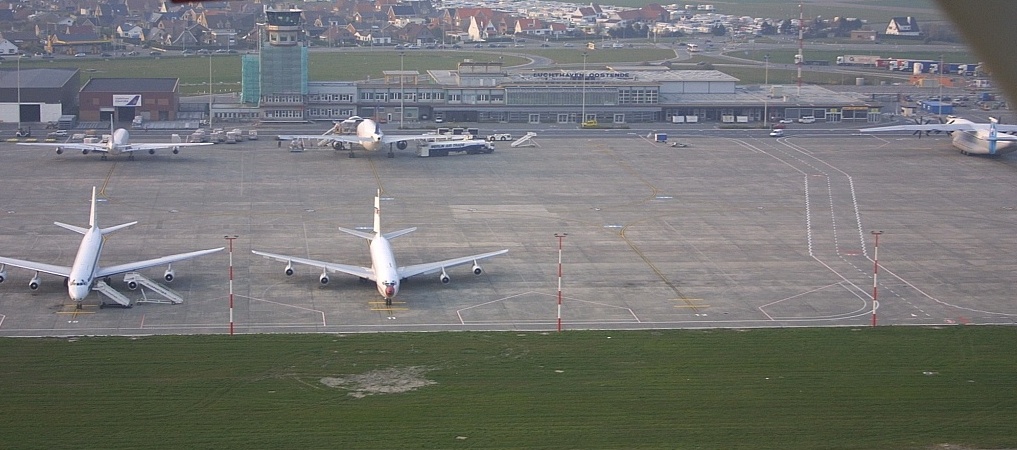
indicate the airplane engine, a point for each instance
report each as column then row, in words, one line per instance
column 477, row 270
column 151, row 151
column 169, row 275
column 323, row 279
column 289, row 269
column 3, row 275
column 176, row 150
column 84, row 152
column 444, row 277
column 60, row 151
column 132, row 285
column 401, row 145
column 337, row 145
column 34, row 283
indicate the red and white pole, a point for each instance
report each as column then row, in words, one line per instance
column 875, row 276
column 230, row 239
column 560, row 236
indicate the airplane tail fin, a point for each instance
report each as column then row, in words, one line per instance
column 377, row 213
column 92, row 222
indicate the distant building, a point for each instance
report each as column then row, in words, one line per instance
column 276, row 78
column 38, row 95
column 127, row 98
column 863, row 35
column 903, row 26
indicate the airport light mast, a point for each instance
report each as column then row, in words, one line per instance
column 560, row 236
column 875, row 275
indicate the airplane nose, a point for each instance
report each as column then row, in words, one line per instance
column 389, row 291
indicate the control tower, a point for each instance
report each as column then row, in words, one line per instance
column 276, row 78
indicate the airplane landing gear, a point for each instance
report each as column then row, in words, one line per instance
column 388, row 302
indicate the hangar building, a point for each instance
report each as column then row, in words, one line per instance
column 127, row 98
column 38, row 95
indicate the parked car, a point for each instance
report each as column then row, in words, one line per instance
column 787, row 121
column 806, row 119
column 80, row 55
column 57, row 134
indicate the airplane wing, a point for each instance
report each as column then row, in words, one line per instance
column 70, row 146
column 929, row 127
column 40, row 267
column 417, row 269
column 131, row 267
column 154, row 146
column 357, row 271
column 323, row 137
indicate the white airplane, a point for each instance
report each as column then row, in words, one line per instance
column 81, row 276
column 970, row 137
column 369, row 136
column 383, row 271
column 119, row 142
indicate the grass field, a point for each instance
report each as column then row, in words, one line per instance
column 322, row 66
column 776, row 388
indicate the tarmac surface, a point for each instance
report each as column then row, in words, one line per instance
column 745, row 231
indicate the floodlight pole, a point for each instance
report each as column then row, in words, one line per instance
column 582, row 120
column 561, row 237
column 230, row 239
column 402, row 92
column 875, row 275
column 766, row 95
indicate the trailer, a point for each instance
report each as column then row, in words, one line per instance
column 858, row 60
column 443, row 148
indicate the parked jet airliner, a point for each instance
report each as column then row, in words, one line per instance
column 369, row 136
column 970, row 137
column 82, row 275
column 383, row 271
column 119, row 142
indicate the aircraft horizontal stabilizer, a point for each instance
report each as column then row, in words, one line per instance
column 117, row 227
column 357, row 233
column 73, row 228
column 396, row 234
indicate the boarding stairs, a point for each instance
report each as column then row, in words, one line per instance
column 107, row 290
column 168, row 294
column 525, row 141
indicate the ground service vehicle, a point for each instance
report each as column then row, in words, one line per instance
column 499, row 137
column 443, row 148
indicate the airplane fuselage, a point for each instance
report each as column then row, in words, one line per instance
column 385, row 269
column 86, row 264
column 370, row 135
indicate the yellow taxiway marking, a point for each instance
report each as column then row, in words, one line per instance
column 389, row 309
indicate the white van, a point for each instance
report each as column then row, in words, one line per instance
column 807, row 119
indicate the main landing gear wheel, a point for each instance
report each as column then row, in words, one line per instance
column 352, row 155
column 391, row 154
column 388, row 302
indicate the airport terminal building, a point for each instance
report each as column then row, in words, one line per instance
column 485, row 92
